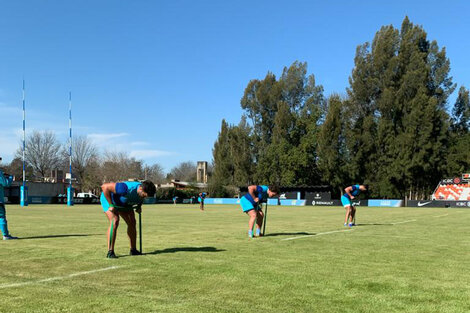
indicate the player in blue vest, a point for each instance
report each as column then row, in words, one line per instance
column 251, row 205
column 201, row 198
column 5, row 181
column 350, row 194
column 119, row 200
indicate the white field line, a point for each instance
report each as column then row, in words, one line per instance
column 58, row 277
column 441, row 215
column 409, row 221
column 319, row 234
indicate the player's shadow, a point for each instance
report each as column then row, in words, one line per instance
column 287, row 234
column 186, row 249
column 373, row 224
column 58, row 236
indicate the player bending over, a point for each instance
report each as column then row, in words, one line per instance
column 201, row 198
column 118, row 200
column 350, row 194
column 5, row 181
column 251, row 205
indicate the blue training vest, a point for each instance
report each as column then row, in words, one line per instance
column 262, row 194
column 355, row 191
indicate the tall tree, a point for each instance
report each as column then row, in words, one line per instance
column 260, row 102
column 241, row 153
column 397, row 123
column 458, row 158
column 15, row 168
column 84, row 160
column 331, row 146
column 423, row 91
column 285, row 116
column 222, row 158
column 42, row 153
column 154, row 173
column 118, row 166
column 185, row 171
column 461, row 112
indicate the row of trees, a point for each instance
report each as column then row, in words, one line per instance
column 44, row 153
column 391, row 129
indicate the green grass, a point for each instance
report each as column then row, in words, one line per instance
column 203, row 261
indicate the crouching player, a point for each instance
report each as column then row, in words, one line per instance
column 350, row 194
column 251, row 205
column 118, row 200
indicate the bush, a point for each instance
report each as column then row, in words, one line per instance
column 219, row 191
column 169, row 193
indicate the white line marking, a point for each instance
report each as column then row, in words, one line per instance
column 403, row 222
column 319, row 234
column 441, row 215
column 58, row 278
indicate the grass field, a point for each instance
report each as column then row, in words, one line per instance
column 395, row 260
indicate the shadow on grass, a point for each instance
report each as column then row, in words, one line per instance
column 373, row 224
column 186, row 249
column 288, row 234
column 58, row 236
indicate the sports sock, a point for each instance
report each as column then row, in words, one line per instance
column 4, row 227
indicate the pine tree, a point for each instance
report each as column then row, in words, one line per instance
column 223, row 160
column 458, row 158
column 331, row 161
column 396, row 134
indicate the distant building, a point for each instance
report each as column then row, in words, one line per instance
column 201, row 172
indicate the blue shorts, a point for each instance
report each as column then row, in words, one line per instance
column 346, row 201
column 247, row 205
column 105, row 205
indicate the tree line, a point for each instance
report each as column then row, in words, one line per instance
column 393, row 128
column 44, row 154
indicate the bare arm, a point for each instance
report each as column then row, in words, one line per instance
column 107, row 188
column 348, row 190
column 251, row 191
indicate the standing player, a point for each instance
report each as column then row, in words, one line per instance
column 251, row 205
column 118, row 200
column 201, row 198
column 5, row 181
column 350, row 194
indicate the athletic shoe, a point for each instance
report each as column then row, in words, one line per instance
column 9, row 237
column 111, row 255
column 351, row 224
column 345, row 224
column 250, row 234
column 135, row 252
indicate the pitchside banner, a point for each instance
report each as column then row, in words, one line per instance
column 438, row 204
column 335, row 203
column 270, row 201
column 387, row 203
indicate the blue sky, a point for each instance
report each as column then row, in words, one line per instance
column 156, row 78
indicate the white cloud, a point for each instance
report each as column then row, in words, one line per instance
column 144, row 154
column 140, row 143
column 106, row 139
